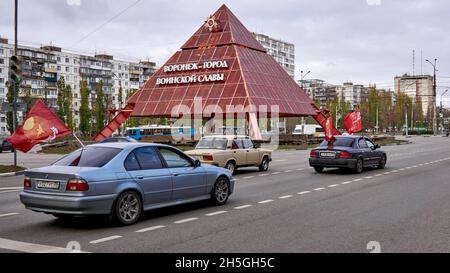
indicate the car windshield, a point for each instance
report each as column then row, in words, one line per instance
column 89, row 157
column 212, row 143
column 340, row 142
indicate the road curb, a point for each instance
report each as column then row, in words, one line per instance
column 11, row 174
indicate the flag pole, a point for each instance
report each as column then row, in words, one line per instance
column 75, row 136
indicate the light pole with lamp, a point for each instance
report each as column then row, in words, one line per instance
column 434, row 95
column 302, row 77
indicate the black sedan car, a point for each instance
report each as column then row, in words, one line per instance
column 351, row 152
column 5, row 145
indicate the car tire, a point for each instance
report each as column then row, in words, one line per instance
column 127, row 208
column 359, row 166
column 318, row 169
column 382, row 162
column 264, row 166
column 231, row 166
column 221, row 191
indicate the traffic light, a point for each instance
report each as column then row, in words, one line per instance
column 15, row 69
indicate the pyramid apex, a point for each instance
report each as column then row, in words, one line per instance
column 222, row 28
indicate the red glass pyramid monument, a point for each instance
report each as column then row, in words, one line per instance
column 223, row 64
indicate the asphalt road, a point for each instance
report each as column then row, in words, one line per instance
column 290, row 208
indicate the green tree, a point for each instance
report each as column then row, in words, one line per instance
column 84, row 108
column 402, row 109
column 61, row 89
column 68, row 98
column 27, row 99
column 99, row 108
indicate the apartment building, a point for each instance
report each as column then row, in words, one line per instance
column 283, row 52
column 43, row 66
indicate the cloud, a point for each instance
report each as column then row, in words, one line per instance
column 73, row 2
column 373, row 2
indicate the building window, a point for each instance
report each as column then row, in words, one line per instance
column 2, row 61
column 67, row 69
column 67, row 60
column 58, row 68
column 58, row 59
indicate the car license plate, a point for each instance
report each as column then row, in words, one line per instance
column 53, row 185
column 327, row 154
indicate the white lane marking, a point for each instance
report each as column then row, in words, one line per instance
column 8, row 214
column 303, row 192
column 377, row 175
column 280, row 160
column 114, row 237
column 301, row 169
column 368, row 177
column 150, row 228
column 248, row 177
column 402, row 169
column 10, row 191
column 288, row 171
column 265, row 201
column 243, row 207
column 346, row 182
column 394, row 171
column 186, row 220
column 387, row 173
column 266, row 174
column 319, row 189
column 31, row 248
column 276, row 173
column 285, row 196
column 332, row 186
column 216, row 213
column 357, row 179
column 11, row 188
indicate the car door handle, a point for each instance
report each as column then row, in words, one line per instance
column 176, row 174
column 140, row 177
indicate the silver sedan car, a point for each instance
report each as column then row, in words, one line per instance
column 122, row 180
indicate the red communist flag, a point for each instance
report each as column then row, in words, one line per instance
column 329, row 129
column 353, row 122
column 40, row 125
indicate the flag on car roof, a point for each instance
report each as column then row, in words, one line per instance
column 40, row 125
column 353, row 122
column 328, row 127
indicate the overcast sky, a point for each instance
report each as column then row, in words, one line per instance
column 364, row 41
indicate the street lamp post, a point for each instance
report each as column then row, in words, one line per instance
column 434, row 95
column 302, row 77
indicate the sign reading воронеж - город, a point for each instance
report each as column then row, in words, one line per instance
column 193, row 78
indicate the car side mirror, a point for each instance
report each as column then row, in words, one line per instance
column 197, row 163
column 256, row 145
column 377, row 146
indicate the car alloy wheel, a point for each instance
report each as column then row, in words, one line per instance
column 221, row 191
column 382, row 162
column 231, row 167
column 359, row 166
column 128, row 208
column 264, row 165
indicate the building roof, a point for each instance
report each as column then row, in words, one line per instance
column 251, row 77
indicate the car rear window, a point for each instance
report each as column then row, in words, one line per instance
column 340, row 142
column 89, row 157
column 212, row 143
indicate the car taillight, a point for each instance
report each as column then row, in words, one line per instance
column 207, row 157
column 313, row 154
column 345, row 155
column 77, row 185
column 27, row 182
